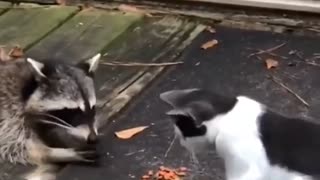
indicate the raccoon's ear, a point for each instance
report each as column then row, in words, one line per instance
column 176, row 97
column 37, row 67
column 91, row 65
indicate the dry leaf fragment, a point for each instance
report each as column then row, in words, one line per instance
column 4, row 55
column 133, row 9
column 211, row 29
column 209, row 44
column 62, row 2
column 16, row 52
column 271, row 63
column 128, row 133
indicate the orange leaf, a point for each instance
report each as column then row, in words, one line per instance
column 209, row 44
column 271, row 63
column 132, row 9
column 128, row 133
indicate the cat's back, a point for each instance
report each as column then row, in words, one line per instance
column 291, row 143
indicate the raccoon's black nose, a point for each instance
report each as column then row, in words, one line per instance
column 93, row 138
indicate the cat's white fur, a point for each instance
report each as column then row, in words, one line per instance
column 236, row 138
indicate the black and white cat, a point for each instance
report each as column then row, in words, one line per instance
column 254, row 142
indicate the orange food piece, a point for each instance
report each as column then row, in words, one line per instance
column 162, row 168
column 165, row 173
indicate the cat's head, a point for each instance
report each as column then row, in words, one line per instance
column 193, row 111
column 61, row 96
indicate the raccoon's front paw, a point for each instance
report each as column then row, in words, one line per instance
column 90, row 156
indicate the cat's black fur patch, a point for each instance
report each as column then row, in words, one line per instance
column 188, row 127
column 203, row 106
column 220, row 104
column 291, row 142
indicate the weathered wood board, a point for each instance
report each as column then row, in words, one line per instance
column 26, row 26
column 84, row 35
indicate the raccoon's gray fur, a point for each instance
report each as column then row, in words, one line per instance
column 47, row 111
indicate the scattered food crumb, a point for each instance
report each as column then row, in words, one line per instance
column 165, row 173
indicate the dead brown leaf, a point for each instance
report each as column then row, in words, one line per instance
column 85, row 5
column 16, row 52
column 211, row 29
column 209, row 44
column 132, row 9
column 271, row 63
column 129, row 133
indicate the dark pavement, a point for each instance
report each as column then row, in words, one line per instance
column 226, row 69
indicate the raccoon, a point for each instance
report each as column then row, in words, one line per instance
column 47, row 113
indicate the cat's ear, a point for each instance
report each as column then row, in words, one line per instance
column 176, row 97
column 198, row 110
column 186, row 102
column 90, row 65
column 37, row 68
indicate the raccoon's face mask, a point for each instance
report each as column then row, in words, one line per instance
column 63, row 98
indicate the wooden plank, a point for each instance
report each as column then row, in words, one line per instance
column 310, row 6
column 4, row 6
column 149, row 37
column 25, row 26
column 84, row 35
column 154, row 42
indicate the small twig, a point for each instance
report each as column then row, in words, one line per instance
column 312, row 63
column 276, row 55
column 297, row 53
column 132, row 153
column 170, row 146
column 277, row 81
column 268, row 51
column 141, row 64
